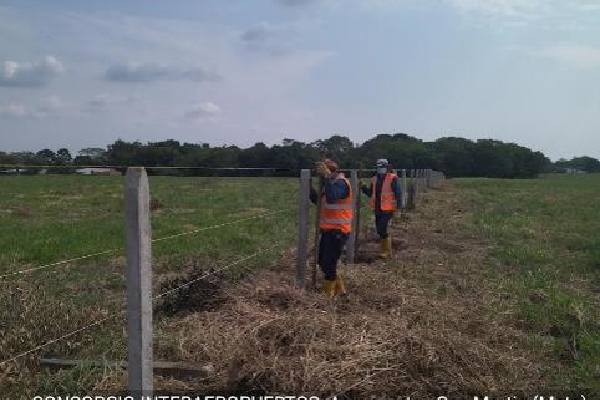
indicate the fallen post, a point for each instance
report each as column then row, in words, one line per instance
column 162, row 368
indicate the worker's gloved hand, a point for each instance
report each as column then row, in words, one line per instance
column 322, row 170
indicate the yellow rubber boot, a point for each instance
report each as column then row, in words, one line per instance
column 340, row 288
column 329, row 288
column 386, row 248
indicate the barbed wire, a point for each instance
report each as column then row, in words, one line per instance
column 91, row 255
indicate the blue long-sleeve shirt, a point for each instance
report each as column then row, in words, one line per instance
column 396, row 189
column 335, row 189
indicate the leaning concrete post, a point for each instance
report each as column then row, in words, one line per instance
column 139, row 283
column 303, row 227
column 350, row 245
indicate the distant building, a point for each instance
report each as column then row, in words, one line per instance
column 99, row 171
column 574, row 171
column 24, row 171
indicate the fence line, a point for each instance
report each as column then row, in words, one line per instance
column 219, row 225
column 58, row 339
column 157, row 297
column 25, row 271
column 420, row 181
column 413, row 183
column 206, row 275
column 64, row 262
column 158, row 167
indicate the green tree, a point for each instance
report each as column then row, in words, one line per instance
column 63, row 157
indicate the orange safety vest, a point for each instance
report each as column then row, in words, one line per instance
column 337, row 216
column 388, row 201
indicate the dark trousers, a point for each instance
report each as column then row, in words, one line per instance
column 330, row 250
column 382, row 219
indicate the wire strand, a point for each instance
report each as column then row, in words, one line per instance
column 58, row 339
column 25, row 271
column 206, row 275
column 100, row 321
column 218, row 226
column 84, row 257
column 146, row 167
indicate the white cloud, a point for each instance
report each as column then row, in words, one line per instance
column 203, row 110
column 87, row 42
column 507, row 8
column 573, row 54
column 30, row 74
column 548, row 14
column 51, row 106
column 14, row 111
column 148, row 72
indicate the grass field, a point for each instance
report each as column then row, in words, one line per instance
column 44, row 219
column 546, row 235
column 493, row 287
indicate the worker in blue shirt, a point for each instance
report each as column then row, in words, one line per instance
column 335, row 223
column 385, row 198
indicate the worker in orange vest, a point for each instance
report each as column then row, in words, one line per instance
column 335, row 223
column 385, row 196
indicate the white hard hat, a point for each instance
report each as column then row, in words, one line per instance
column 382, row 162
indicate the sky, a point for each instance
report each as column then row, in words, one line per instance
column 81, row 74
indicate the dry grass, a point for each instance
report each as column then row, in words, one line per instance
column 423, row 323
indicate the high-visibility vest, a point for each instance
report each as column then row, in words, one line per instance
column 388, row 201
column 338, row 215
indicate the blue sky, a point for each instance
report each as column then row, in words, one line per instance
column 84, row 73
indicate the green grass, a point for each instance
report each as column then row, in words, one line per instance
column 44, row 219
column 547, row 237
column 50, row 218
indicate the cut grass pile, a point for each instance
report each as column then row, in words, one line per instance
column 417, row 325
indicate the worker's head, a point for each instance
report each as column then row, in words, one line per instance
column 331, row 165
column 382, row 166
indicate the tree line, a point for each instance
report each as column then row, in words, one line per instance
column 455, row 156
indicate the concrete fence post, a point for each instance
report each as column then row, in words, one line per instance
column 411, row 191
column 303, row 225
column 429, row 178
column 351, row 244
column 404, row 189
column 139, row 283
